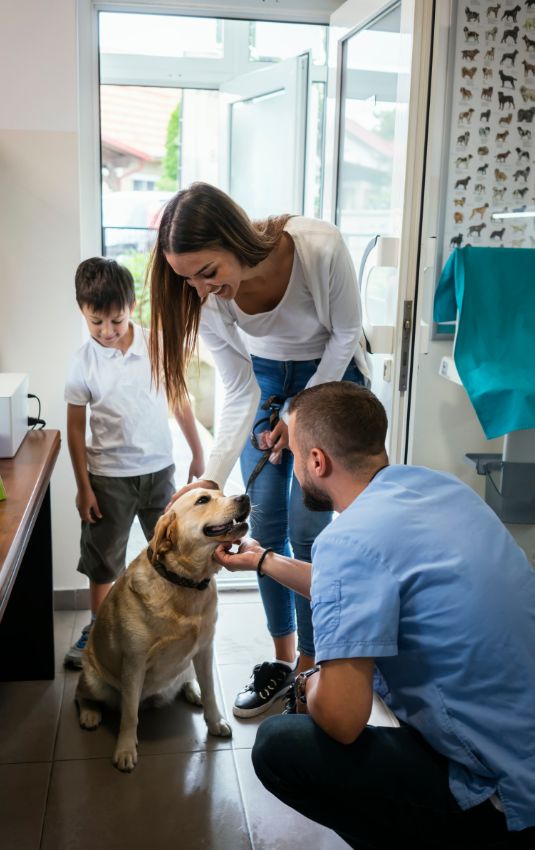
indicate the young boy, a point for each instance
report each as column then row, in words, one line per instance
column 126, row 468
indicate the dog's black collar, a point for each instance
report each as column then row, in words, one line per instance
column 174, row 578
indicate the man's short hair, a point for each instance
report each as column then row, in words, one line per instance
column 103, row 284
column 343, row 419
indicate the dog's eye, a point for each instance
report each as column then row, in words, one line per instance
column 202, row 500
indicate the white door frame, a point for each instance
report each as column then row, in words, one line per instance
column 417, row 18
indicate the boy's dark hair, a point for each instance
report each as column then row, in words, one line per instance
column 103, row 284
column 344, row 419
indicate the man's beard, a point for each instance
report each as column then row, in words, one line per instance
column 315, row 499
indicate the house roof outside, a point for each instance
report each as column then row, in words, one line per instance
column 134, row 119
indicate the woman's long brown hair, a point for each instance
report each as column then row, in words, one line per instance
column 195, row 219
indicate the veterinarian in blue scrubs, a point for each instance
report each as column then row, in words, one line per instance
column 419, row 577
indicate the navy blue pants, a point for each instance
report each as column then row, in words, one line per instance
column 386, row 790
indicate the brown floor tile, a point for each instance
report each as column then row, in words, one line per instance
column 183, row 801
column 29, row 713
column 274, row 825
column 22, row 804
column 176, row 728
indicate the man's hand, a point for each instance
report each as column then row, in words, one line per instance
column 204, row 483
column 246, row 558
column 87, row 506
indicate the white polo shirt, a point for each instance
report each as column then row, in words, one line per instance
column 129, row 429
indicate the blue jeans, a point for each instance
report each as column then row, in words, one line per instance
column 280, row 520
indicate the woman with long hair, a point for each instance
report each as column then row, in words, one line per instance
column 277, row 303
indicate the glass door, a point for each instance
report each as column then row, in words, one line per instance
column 379, row 73
column 264, row 126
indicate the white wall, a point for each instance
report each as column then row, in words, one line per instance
column 39, row 226
column 444, row 425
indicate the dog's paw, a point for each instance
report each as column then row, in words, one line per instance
column 192, row 692
column 90, row 718
column 125, row 758
column 220, row 728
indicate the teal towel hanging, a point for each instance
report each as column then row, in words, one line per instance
column 491, row 291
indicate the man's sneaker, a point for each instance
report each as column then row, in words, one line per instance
column 290, row 702
column 269, row 681
column 73, row 657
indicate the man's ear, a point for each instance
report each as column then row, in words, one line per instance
column 165, row 535
column 318, row 463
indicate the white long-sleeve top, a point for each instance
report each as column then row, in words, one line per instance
column 329, row 275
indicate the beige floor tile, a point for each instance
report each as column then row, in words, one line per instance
column 242, row 636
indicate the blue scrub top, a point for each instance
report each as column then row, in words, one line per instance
column 420, row 574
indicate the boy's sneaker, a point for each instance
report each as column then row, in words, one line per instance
column 73, row 657
column 269, row 681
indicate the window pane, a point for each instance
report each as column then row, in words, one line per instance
column 154, row 141
column 373, row 132
column 271, row 42
column 200, row 137
column 140, row 150
column 317, row 124
column 160, row 35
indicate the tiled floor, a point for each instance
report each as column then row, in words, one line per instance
column 189, row 790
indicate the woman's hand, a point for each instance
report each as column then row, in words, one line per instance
column 203, row 482
column 277, row 440
column 196, row 468
column 246, row 558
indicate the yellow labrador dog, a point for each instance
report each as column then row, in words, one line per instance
column 156, row 626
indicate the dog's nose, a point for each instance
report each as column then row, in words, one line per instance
column 242, row 500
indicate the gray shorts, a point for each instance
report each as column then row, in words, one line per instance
column 103, row 543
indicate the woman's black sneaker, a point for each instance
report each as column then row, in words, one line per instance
column 269, row 681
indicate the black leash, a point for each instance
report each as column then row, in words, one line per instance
column 174, row 578
column 273, row 404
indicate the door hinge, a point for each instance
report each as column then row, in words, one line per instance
column 405, row 346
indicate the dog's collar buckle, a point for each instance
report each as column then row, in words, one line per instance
column 182, row 581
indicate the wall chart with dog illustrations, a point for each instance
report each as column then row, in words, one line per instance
column 492, row 149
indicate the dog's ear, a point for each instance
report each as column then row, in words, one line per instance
column 165, row 535
column 172, row 534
